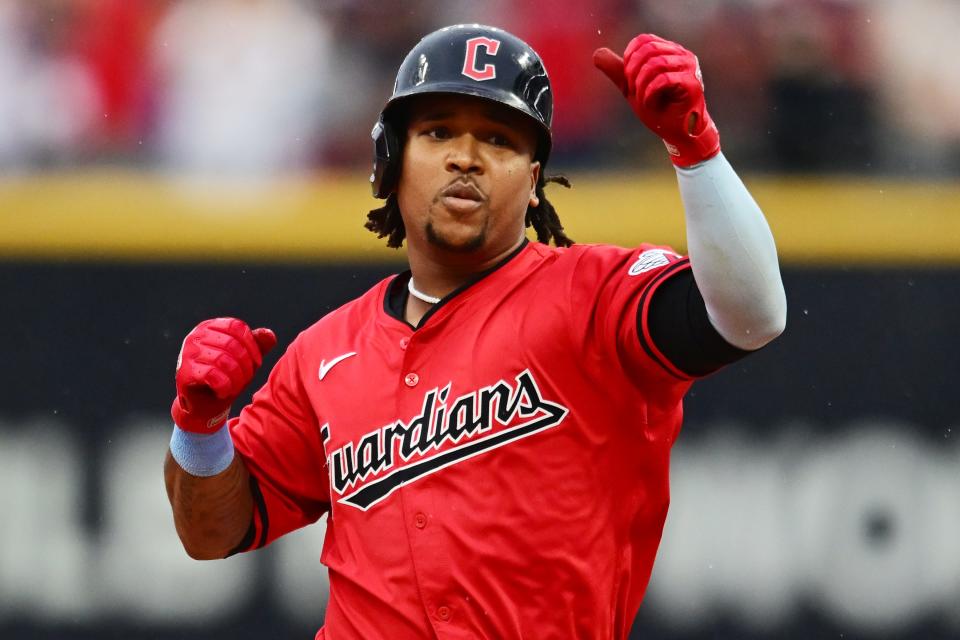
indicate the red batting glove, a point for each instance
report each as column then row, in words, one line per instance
column 216, row 363
column 662, row 82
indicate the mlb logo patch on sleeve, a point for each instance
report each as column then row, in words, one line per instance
column 651, row 259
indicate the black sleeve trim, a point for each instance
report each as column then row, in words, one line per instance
column 262, row 510
column 678, row 325
column 246, row 543
column 650, row 347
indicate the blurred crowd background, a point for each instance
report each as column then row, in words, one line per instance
column 240, row 87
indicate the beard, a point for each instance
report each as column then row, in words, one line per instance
column 469, row 245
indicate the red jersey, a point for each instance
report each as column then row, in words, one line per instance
column 499, row 472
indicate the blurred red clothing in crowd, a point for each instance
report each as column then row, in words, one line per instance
column 113, row 37
column 565, row 34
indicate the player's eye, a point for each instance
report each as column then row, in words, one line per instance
column 438, row 133
column 499, row 140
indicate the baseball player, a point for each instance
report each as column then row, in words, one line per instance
column 490, row 430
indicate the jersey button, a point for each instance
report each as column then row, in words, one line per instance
column 404, row 342
column 443, row 613
column 411, row 379
column 420, row 521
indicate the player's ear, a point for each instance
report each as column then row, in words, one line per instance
column 534, row 180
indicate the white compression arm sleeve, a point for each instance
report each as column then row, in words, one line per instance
column 732, row 254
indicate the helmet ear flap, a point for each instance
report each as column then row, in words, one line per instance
column 386, row 159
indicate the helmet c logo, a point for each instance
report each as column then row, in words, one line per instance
column 488, row 72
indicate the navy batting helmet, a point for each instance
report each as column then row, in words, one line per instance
column 466, row 59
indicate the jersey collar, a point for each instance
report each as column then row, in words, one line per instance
column 395, row 300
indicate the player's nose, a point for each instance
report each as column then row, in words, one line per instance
column 463, row 155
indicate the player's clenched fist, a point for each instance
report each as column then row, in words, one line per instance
column 217, row 361
column 663, row 84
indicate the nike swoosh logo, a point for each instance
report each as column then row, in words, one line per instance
column 326, row 366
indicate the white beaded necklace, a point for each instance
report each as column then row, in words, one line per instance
column 419, row 294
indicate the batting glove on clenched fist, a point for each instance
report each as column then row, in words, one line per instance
column 662, row 82
column 217, row 361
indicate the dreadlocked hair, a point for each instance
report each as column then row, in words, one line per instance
column 387, row 223
column 544, row 218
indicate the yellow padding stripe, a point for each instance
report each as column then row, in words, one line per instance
column 127, row 216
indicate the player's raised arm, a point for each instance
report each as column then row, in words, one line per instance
column 732, row 252
column 208, row 486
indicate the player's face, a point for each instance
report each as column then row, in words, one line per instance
column 468, row 176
